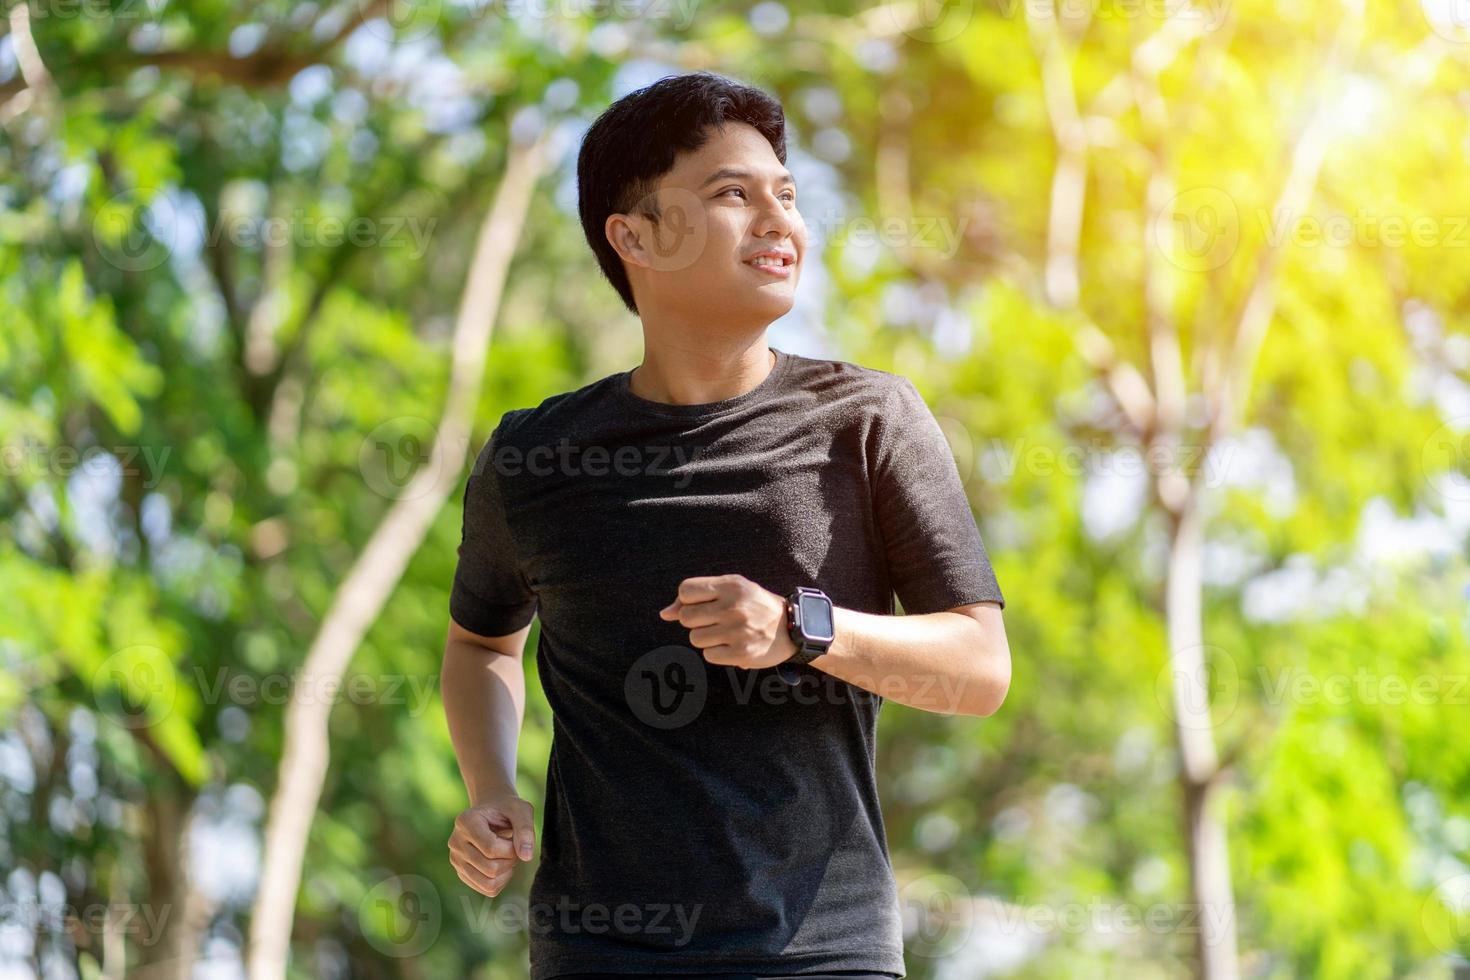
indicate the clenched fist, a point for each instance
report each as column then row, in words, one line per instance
column 489, row 839
column 732, row 621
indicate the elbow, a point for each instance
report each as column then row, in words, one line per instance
column 989, row 684
column 990, row 696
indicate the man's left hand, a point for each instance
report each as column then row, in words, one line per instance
column 732, row 621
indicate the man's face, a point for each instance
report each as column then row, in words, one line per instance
column 729, row 242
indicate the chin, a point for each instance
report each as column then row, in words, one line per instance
column 783, row 308
column 776, row 292
column 764, row 313
column 746, row 305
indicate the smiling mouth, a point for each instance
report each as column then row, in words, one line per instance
column 779, row 266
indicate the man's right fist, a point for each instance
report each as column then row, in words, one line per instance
column 487, row 841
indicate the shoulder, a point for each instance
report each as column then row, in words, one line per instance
column 556, row 416
column 833, row 380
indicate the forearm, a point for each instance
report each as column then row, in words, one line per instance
column 945, row 662
column 485, row 702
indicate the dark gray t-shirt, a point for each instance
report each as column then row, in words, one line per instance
column 702, row 817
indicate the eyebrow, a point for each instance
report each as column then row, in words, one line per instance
column 726, row 173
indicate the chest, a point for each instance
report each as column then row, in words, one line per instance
column 602, row 525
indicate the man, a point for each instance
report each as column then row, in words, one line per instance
column 712, row 541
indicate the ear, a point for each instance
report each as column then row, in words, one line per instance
column 628, row 235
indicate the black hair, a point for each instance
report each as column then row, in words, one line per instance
column 635, row 142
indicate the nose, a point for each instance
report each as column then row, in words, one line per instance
column 775, row 219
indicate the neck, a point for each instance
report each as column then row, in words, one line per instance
column 695, row 370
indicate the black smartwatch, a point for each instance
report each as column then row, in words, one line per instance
column 809, row 623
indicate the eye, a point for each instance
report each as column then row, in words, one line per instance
column 786, row 195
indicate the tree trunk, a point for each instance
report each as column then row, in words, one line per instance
column 377, row 570
column 177, row 908
column 1213, row 913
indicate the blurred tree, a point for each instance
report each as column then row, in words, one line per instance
column 1103, row 241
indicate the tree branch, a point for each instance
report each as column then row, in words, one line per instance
column 1228, row 399
column 377, row 570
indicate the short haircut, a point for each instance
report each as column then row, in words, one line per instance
column 635, row 142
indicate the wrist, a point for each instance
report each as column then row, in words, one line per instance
column 492, row 791
column 809, row 624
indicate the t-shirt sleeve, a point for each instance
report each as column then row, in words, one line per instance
column 490, row 595
column 936, row 559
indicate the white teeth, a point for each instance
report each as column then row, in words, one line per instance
column 768, row 261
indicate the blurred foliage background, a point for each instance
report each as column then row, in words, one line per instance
column 1187, row 285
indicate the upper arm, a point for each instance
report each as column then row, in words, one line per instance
column 935, row 556
column 490, row 596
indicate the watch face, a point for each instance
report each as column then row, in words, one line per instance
column 816, row 617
